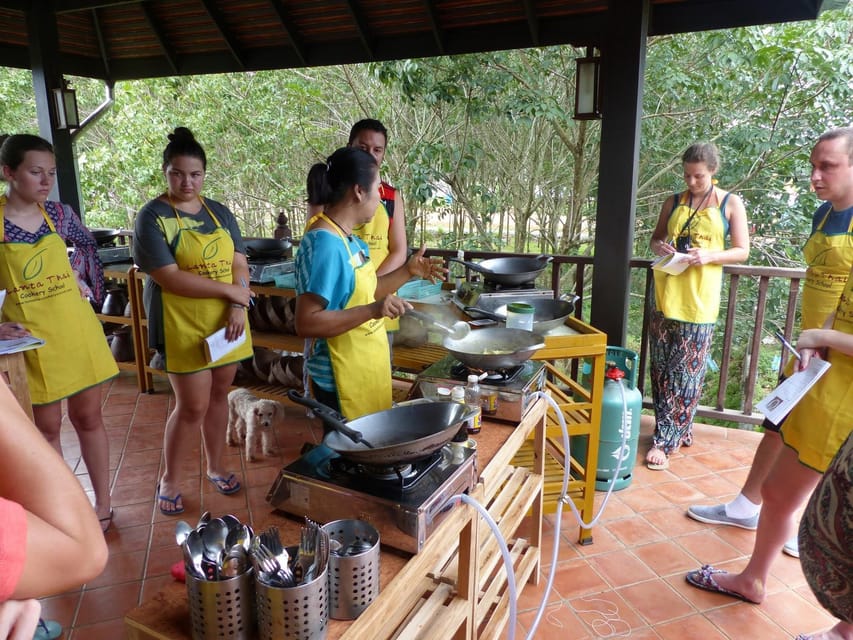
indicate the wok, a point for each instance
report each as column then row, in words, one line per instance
column 510, row 271
column 266, row 248
column 104, row 237
column 547, row 313
column 390, row 437
column 495, row 347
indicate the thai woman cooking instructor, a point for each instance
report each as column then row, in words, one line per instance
column 341, row 302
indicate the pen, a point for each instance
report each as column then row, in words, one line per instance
column 252, row 300
column 787, row 345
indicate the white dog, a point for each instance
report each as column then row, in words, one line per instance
column 252, row 420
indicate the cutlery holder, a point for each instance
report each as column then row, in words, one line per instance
column 293, row 613
column 222, row 609
column 353, row 579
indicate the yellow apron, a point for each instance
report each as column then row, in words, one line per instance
column 360, row 357
column 694, row 295
column 188, row 321
column 829, row 259
column 823, row 419
column 42, row 294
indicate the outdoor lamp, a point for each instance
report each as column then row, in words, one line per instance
column 587, row 105
column 65, row 102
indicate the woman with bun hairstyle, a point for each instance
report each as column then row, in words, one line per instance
column 48, row 296
column 192, row 250
column 341, row 303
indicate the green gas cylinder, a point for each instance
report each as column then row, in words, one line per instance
column 612, row 455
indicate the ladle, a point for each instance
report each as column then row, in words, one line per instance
column 456, row 332
column 182, row 530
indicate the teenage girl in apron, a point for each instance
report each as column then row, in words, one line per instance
column 44, row 297
column 340, row 313
column 190, row 255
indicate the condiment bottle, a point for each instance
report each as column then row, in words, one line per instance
column 489, row 402
column 519, row 315
column 472, row 399
column 457, row 394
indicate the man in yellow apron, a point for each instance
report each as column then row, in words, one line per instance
column 828, row 255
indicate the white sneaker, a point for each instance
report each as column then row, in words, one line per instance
column 792, row 547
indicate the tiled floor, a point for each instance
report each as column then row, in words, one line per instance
column 628, row 583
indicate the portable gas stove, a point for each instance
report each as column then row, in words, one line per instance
column 404, row 502
column 490, row 296
column 514, row 386
column 114, row 254
column 264, row 271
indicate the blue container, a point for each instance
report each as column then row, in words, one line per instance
column 612, row 456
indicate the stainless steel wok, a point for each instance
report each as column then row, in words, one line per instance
column 511, row 271
column 547, row 313
column 495, row 347
column 390, row 437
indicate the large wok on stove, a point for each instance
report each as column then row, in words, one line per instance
column 391, row 437
column 495, row 347
column 511, row 272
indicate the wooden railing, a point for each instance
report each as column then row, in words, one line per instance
column 745, row 305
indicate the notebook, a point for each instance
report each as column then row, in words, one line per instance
column 216, row 346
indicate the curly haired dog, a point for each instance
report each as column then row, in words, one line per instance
column 252, row 420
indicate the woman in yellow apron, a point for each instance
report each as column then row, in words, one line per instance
column 695, row 223
column 340, row 300
column 813, row 433
column 192, row 251
column 45, row 295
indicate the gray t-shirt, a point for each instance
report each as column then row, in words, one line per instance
column 155, row 237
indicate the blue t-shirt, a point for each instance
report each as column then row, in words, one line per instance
column 838, row 222
column 323, row 268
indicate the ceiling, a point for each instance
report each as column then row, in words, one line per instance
column 130, row 39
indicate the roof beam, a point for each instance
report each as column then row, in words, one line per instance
column 219, row 20
column 532, row 21
column 432, row 17
column 160, row 35
column 71, row 6
column 360, row 26
column 102, row 45
column 286, row 22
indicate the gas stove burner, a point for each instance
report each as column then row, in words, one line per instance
column 498, row 377
column 403, row 476
column 488, row 285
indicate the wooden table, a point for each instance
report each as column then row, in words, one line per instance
column 14, row 369
column 451, row 588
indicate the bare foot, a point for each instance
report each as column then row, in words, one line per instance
column 656, row 459
column 841, row 631
column 752, row 590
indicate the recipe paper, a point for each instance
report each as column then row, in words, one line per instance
column 19, row 344
column 672, row 263
column 783, row 398
column 216, row 346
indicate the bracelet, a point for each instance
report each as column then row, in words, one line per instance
column 234, row 305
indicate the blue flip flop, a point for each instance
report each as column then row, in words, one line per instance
column 174, row 501
column 225, row 486
column 47, row 630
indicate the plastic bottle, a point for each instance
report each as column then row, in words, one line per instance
column 457, row 394
column 472, row 399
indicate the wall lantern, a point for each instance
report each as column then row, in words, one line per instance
column 587, row 103
column 65, row 103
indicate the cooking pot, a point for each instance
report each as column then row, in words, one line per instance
column 402, row 434
column 511, row 271
column 495, row 347
column 266, row 248
column 547, row 313
column 104, row 237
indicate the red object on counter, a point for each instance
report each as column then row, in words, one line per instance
column 179, row 572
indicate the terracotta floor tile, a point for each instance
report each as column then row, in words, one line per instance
column 795, row 614
column 108, row 603
column 107, row 630
column 665, row 558
column 695, row 626
column 746, row 621
column 531, row 595
column 603, row 541
column 655, row 601
column 644, row 499
column 121, row 568
column 62, row 608
column 124, row 539
column 635, row 530
column 577, row 578
column 558, row 621
column 674, row 521
column 707, row 547
column 621, row 568
column 688, row 467
column 607, row 615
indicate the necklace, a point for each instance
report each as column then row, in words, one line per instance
column 348, row 234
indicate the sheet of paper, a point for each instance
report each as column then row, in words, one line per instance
column 216, row 346
column 20, row 344
column 672, row 263
column 783, row 398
